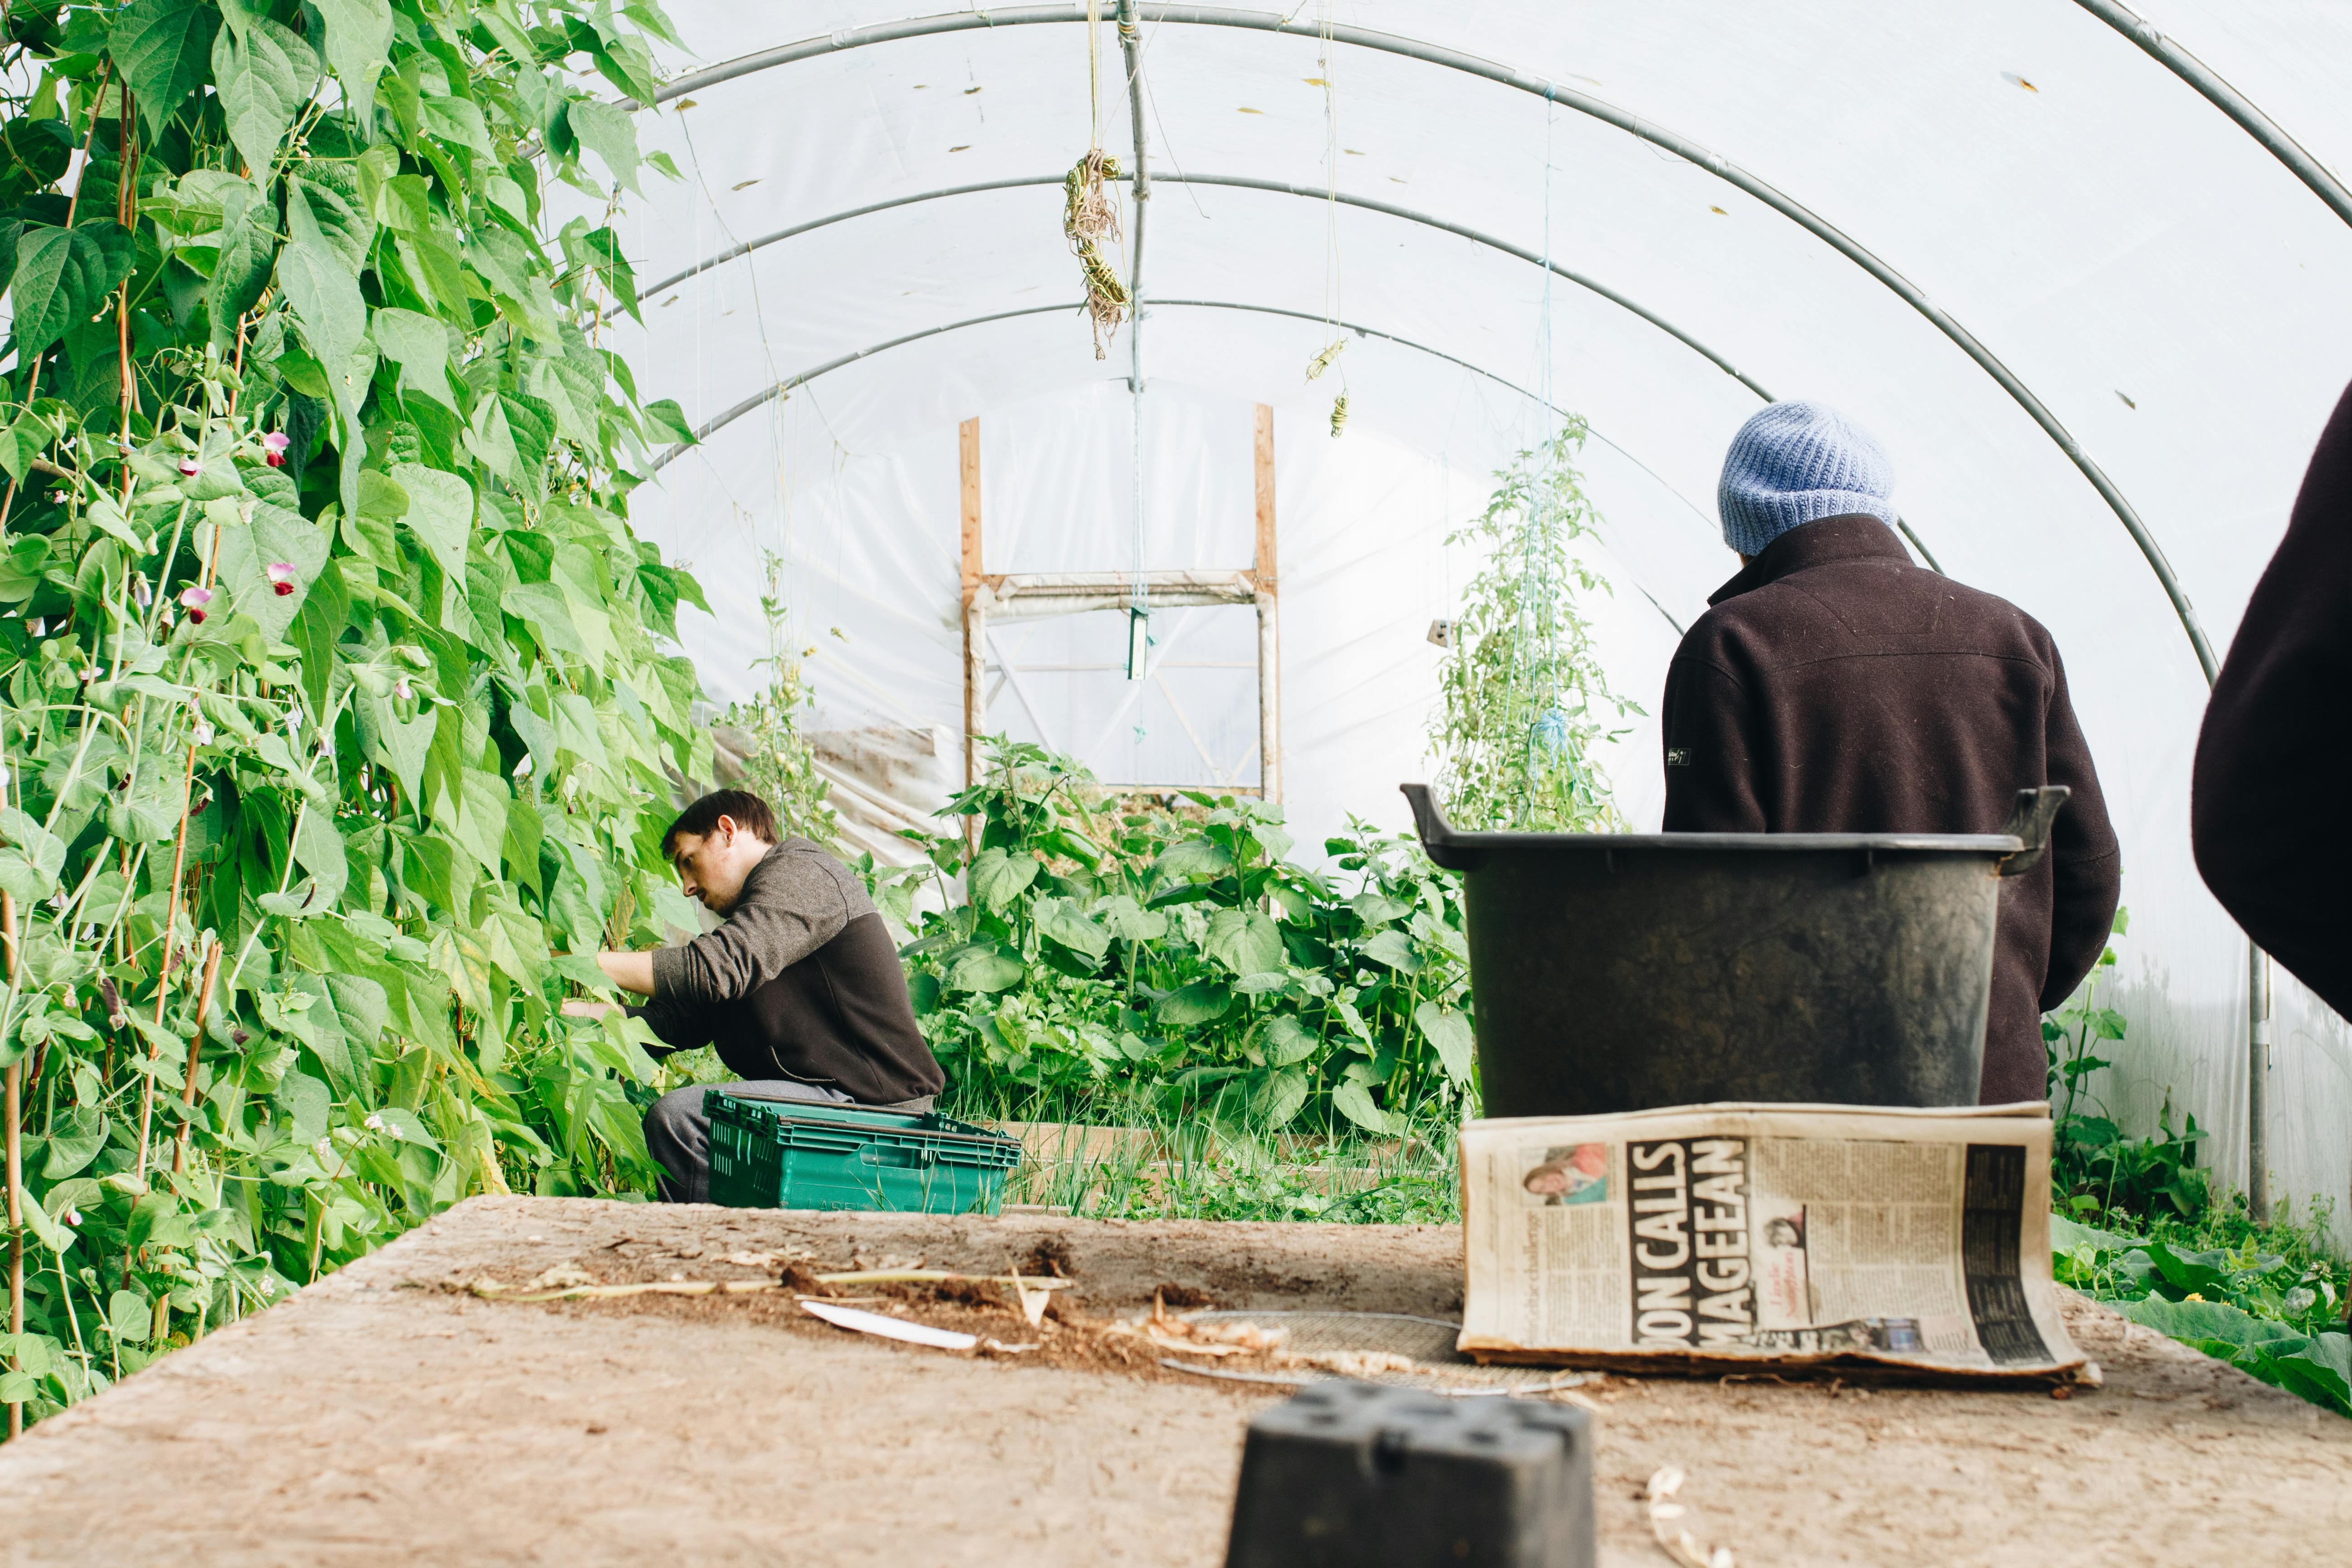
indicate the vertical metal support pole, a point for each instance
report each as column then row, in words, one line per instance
column 975, row 625
column 1130, row 41
column 2258, row 1088
column 16, row 1108
column 1265, row 576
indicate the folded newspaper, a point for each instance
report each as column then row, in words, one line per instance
column 1731, row 1235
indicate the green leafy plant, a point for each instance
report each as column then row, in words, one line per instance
column 2093, row 1165
column 1521, row 694
column 2276, row 1316
column 337, row 720
column 2139, row 1224
column 1182, row 963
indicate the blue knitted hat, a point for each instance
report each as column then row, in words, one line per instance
column 1796, row 463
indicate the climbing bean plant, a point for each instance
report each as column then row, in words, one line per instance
column 335, row 694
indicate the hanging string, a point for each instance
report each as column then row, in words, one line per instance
column 1338, row 341
column 1089, row 217
column 1138, row 613
column 1550, row 742
column 1546, row 726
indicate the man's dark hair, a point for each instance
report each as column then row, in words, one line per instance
column 748, row 810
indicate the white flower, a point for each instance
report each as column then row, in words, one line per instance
column 293, row 720
column 4, row 775
column 374, row 1124
column 73, row 1216
column 268, row 1286
column 203, row 733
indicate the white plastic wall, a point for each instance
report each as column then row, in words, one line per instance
column 2174, row 295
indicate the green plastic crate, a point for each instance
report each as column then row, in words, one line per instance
column 791, row 1155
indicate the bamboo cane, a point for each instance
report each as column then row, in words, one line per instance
column 163, row 976
column 188, row 1094
column 16, row 1092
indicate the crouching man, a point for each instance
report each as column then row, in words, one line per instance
column 801, row 989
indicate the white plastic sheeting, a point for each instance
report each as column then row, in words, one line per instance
column 2178, row 300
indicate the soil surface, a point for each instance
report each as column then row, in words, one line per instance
column 390, row 1415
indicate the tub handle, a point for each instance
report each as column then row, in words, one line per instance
column 1437, row 834
column 2036, row 809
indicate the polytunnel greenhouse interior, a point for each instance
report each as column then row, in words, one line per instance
column 1525, row 783
column 2088, row 314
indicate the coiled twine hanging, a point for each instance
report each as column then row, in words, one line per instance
column 1089, row 218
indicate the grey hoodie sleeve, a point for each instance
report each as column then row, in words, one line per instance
column 793, row 903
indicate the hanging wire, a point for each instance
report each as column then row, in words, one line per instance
column 1338, row 339
column 1550, row 740
column 1139, row 613
column 1546, row 726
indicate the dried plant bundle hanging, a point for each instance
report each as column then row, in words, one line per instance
column 1089, row 218
column 1322, row 361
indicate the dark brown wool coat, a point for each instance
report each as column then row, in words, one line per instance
column 802, row 982
column 1836, row 688
column 2275, row 762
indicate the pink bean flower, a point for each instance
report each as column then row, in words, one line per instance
column 273, row 449
column 190, row 468
column 193, row 601
column 281, row 577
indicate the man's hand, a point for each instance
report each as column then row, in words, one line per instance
column 629, row 971
column 583, row 1008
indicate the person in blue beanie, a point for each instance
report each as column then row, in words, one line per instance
column 1835, row 687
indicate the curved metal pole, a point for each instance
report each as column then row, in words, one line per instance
column 1243, row 182
column 710, row 427
column 2228, row 99
column 758, row 400
column 1514, row 386
column 2328, row 189
column 761, row 399
column 1583, row 103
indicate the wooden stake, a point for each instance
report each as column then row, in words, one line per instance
column 126, row 213
column 975, row 623
column 1267, row 577
column 16, row 1107
column 188, row 1094
column 164, row 977
column 171, row 923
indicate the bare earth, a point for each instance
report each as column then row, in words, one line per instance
column 380, row 1418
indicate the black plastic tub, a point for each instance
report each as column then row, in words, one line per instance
column 1622, row 972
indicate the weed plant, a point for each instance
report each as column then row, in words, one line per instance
column 2140, row 1224
column 1158, row 1165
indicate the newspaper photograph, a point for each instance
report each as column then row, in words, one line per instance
column 1740, row 1234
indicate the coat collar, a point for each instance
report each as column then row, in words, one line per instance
column 1854, row 537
